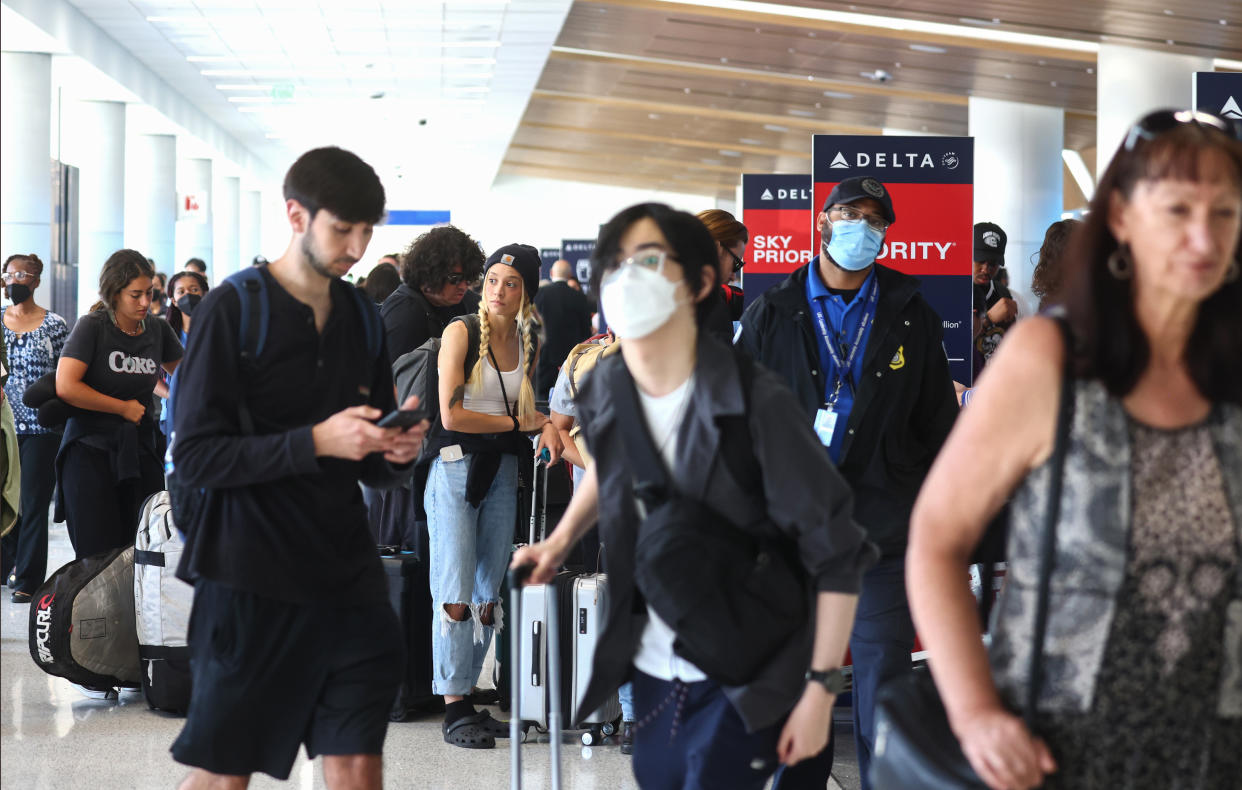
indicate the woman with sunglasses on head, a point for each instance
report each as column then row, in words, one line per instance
column 487, row 411
column 1142, row 685
column 718, row 427
column 33, row 338
column 436, row 272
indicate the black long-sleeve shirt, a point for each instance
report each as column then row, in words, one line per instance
column 280, row 522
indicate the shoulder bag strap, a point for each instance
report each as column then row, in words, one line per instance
column 1065, row 419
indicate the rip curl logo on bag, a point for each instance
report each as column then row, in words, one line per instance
column 43, row 628
column 950, row 161
column 991, row 238
column 120, row 362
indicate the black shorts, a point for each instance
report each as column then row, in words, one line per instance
column 271, row 675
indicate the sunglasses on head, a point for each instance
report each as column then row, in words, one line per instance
column 1151, row 126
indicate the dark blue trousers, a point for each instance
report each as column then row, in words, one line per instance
column 25, row 547
column 708, row 750
column 880, row 647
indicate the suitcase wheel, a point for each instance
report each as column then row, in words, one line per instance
column 588, row 738
column 609, row 728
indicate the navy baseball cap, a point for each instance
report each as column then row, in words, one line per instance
column 858, row 188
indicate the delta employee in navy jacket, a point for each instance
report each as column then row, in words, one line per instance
column 882, row 423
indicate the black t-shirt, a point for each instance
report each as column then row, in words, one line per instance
column 567, row 322
column 118, row 365
column 410, row 320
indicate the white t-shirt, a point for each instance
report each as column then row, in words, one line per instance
column 655, row 656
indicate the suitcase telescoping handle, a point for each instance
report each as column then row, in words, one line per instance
column 538, row 508
column 518, row 577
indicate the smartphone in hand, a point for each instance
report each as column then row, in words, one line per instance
column 402, row 419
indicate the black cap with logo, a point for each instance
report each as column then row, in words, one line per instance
column 858, row 188
column 522, row 257
column 990, row 243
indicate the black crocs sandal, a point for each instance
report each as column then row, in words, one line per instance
column 483, row 697
column 468, row 734
column 493, row 727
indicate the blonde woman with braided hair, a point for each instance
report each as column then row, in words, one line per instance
column 486, row 364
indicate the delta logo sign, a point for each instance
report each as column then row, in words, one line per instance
column 774, row 211
column 930, row 181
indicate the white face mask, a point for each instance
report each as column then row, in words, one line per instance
column 637, row 299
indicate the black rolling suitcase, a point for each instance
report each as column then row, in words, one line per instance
column 409, row 589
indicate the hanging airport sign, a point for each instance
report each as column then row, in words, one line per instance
column 547, row 257
column 1220, row 93
column 775, row 210
column 931, row 183
column 192, row 206
column 578, row 253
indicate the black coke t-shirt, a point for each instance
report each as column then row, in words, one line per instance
column 119, row 365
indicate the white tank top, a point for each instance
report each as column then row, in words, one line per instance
column 488, row 399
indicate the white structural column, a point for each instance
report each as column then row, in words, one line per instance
column 251, row 221
column 194, row 237
column 26, row 156
column 1131, row 83
column 151, row 198
column 1018, row 171
column 93, row 139
column 226, row 228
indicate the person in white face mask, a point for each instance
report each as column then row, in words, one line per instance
column 863, row 352
column 695, row 449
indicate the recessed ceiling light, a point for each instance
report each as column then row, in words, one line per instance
column 838, row 95
column 730, row 153
column 771, row 127
column 804, row 113
column 928, row 48
column 749, row 141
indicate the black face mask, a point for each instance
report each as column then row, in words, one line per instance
column 188, row 302
column 17, row 292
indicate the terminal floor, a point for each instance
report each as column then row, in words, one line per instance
column 52, row 738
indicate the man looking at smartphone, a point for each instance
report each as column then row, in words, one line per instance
column 292, row 637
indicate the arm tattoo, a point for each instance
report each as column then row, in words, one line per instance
column 459, row 396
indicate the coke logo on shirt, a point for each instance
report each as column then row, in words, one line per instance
column 122, row 363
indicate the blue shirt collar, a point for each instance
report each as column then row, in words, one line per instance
column 815, row 288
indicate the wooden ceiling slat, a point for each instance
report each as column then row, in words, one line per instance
column 816, row 124
column 762, row 18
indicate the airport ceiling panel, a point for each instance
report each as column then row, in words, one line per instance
column 408, row 85
column 723, row 74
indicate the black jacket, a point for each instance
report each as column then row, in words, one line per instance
column 410, row 320
column 566, row 317
column 804, row 498
column 905, row 403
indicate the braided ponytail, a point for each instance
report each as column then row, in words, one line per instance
column 475, row 381
column 526, row 397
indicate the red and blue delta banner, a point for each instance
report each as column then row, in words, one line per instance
column 931, row 183
column 775, row 210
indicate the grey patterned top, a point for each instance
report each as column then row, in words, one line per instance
column 1189, row 483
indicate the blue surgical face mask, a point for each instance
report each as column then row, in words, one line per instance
column 854, row 245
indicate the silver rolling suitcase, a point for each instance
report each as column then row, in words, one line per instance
column 533, row 640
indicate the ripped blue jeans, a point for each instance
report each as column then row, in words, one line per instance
column 470, row 550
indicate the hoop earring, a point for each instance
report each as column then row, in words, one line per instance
column 1119, row 265
column 1232, row 273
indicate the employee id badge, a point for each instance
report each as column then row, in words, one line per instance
column 825, row 425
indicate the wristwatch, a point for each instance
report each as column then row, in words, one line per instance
column 833, row 679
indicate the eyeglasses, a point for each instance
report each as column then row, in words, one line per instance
column 1151, row 126
column 851, row 214
column 648, row 259
column 457, row 278
column 19, row 277
column 738, row 263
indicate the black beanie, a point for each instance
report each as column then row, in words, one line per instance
column 522, row 257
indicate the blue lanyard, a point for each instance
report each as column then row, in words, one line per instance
column 843, row 364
